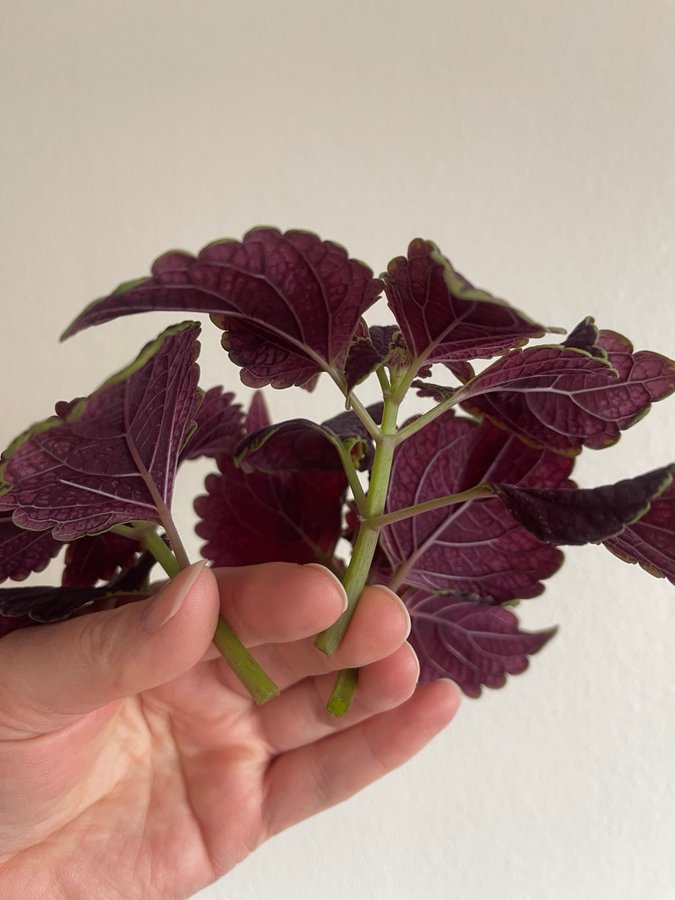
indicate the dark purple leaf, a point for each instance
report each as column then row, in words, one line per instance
column 22, row 551
column 562, row 398
column 377, row 346
column 650, row 541
column 302, row 445
column 98, row 558
column 289, row 303
column 9, row 624
column 437, row 392
column 584, row 516
column 52, row 604
column 585, row 337
column 443, row 317
column 259, row 517
column 258, row 415
column 113, row 459
column 219, row 426
column 475, row 546
column 289, row 447
column 468, row 640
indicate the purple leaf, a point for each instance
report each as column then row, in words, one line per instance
column 563, row 398
column 23, row 552
column 258, row 415
column 289, row 303
column 584, row 516
column 302, row 445
column 443, row 317
column 113, row 459
column 98, row 558
column 219, row 426
column 585, row 337
column 52, row 604
column 650, row 541
column 380, row 345
column 9, row 624
column 475, row 546
column 468, row 640
column 260, row 517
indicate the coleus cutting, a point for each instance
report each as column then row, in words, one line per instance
column 460, row 509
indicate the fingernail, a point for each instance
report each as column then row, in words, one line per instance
column 168, row 602
column 336, row 580
column 395, row 596
column 417, row 661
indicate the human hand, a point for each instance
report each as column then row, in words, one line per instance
column 134, row 765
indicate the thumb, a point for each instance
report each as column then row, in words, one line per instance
column 53, row 674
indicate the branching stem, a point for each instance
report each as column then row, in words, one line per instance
column 476, row 493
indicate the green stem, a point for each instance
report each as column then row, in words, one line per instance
column 256, row 681
column 474, row 493
column 356, row 576
column 364, row 416
column 385, row 384
column 343, row 691
column 161, row 551
column 352, row 476
column 422, row 421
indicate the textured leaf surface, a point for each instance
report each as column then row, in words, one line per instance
column 260, row 517
column 475, row 546
column 23, row 552
column 218, row 428
column 468, row 640
column 562, row 398
column 443, row 317
column 98, row 558
column 584, row 516
column 650, row 541
column 289, row 303
column 113, row 458
column 301, row 444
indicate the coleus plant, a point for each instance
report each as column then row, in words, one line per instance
column 461, row 509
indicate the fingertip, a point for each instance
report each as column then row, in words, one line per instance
column 445, row 699
column 398, row 604
column 279, row 602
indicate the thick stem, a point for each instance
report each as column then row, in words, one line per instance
column 256, row 681
column 343, row 691
column 160, row 550
column 357, row 572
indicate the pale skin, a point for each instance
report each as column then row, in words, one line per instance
column 132, row 763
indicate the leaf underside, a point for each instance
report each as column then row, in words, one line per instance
column 468, row 640
column 475, row 546
column 113, row 458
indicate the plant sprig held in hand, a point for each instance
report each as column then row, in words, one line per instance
column 460, row 509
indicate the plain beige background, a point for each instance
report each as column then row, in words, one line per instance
column 534, row 142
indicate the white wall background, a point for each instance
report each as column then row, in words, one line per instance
column 534, row 142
